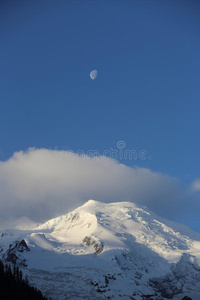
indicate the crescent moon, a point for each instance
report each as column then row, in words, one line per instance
column 93, row 74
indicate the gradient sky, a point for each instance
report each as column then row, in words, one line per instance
column 147, row 92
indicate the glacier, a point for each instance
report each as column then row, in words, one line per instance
column 107, row 251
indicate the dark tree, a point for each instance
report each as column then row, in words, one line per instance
column 14, row 287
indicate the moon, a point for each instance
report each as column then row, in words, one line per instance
column 93, row 74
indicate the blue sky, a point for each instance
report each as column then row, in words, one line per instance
column 147, row 92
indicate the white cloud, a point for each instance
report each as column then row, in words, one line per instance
column 196, row 185
column 41, row 184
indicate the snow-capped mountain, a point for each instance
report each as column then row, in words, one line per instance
column 107, row 251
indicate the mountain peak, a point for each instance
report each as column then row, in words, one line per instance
column 112, row 223
column 103, row 242
column 91, row 202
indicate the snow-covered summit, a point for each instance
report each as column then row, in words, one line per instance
column 112, row 223
column 113, row 249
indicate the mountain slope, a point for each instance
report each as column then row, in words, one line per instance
column 108, row 251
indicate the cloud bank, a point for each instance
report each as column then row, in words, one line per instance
column 196, row 185
column 42, row 184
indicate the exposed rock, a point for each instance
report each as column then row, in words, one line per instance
column 98, row 246
column 166, row 286
column 13, row 254
column 75, row 217
column 20, row 246
column 87, row 241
